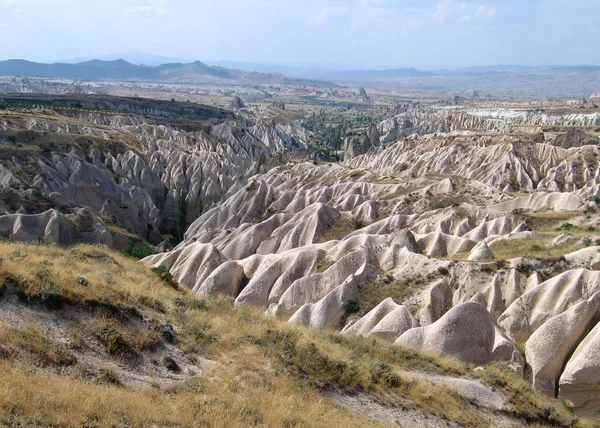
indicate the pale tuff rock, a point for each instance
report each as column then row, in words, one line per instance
column 404, row 238
column 54, row 227
column 549, row 346
column 438, row 302
column 225, row 280
column 330, row 311
column 387, row 321
column 580, row 380
column 438, row 244
column 548, row 299
column 465, row 332
column 313, row 287
column 583, row 257
column 191, row 265
column 481, row 252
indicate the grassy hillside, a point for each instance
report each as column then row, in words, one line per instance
column 90, row 338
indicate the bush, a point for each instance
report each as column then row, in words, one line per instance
column 352, row 306
column 487, row 269
column 115, row 342
column 194, row 304
column 443, row 271
column 166, row 277
column 108, row 374
column 525, row 268
column 49, row 293
column 358, row 224
column 587, row 241
column 383, row 372
column 130, row 250
column 589, row 209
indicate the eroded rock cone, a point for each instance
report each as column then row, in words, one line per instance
column 405, row 238
column 465, row 332
column 549, row 346
column 481, row 252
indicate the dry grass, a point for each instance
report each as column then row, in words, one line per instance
column 46, row 271
column 238, row 399
column 538, row 248
column 266, row 372
column 340, row 228
column 374, row 292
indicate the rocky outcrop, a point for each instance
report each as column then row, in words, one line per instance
column 465, row 332
column 481, row 253
column 237, row 103
column 549, row 346
column 580, row 381
column 387, row 321
column 54, row 227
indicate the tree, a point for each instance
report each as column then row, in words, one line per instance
column 181, row 213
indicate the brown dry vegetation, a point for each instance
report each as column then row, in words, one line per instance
column 340, row 228
column 262, row 370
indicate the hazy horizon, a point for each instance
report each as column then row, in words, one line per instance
column 365, row 34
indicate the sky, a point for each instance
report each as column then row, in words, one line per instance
column 331, row 33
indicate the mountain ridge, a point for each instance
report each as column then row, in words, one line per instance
column 194, row 72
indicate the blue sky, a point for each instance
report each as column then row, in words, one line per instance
column 352, row 33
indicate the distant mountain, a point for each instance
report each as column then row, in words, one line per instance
column 135, row 57
column 195, row 72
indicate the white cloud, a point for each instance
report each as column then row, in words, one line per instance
column 147, row 11
column 326, row 13
column 486, row 11
column 372, row 2
column 443, row 10
column 464, row 12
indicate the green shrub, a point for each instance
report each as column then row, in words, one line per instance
column 139, row 252
column 358, row 224
column 487, row 269
column 352, row 306
column 443, row 271
column 525, row 268
column 166, row 277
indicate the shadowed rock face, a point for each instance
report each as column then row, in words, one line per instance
column 135, row 171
